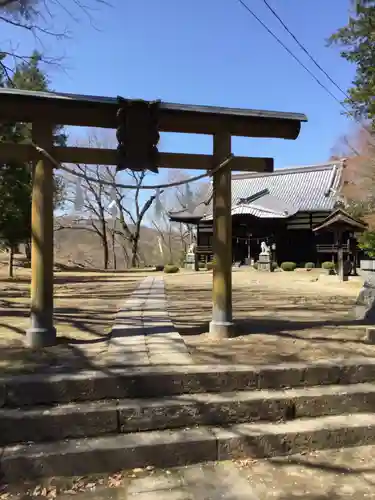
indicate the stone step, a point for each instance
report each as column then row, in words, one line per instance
column 80, row 420
column 162, row 380
column 182, row 447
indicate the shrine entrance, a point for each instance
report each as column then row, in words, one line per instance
column 45, row 110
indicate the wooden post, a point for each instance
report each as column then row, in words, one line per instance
column 42, row 332
column 222, row 324
column 340, row 257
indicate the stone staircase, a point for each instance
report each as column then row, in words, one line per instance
column 164, row 416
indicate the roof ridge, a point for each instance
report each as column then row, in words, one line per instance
column 289, row 170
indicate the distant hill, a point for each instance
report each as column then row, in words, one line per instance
column 75, row 245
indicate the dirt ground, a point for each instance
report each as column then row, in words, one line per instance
column 298, row 316
column 85, row 305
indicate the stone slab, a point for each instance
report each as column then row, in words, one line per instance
column 188, row 410
column 127, row 347
column 107, row 454
column 166, row 380
column 177, row 494
column 57, row 423
column 177, row 359
column 166, row 449
column 161, row 482
column 325, row 475
column 218, row 481
column 120, row 359
column 264, row 440
column 146, row 318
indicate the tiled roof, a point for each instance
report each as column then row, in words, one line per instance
column 265, row 207
column 299, row 189
column 184, row 214
column 342, row 219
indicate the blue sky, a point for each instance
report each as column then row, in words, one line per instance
column 208, row 52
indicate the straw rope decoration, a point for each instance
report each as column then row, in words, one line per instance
column 58, row 165
column 112, row 207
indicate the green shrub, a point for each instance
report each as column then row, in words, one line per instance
column 274, row 266
column 210, row 265
column 329, row 265
column 309, row 266
column 255, row 265
column 288, row 266
column 171, row 269
column 159, row 268
column 366, row 242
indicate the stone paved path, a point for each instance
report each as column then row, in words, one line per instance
column 143, row 333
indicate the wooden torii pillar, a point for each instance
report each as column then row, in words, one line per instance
column 222, row 320
column 44, row 110
column 42, row 332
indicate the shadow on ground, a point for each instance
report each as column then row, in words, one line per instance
column 271, row 325
column 85, row 307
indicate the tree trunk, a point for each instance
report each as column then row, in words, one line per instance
column 126, row 255
column 114, row 251
column 134, row 261
column 105, row 252
column 104, row 238
column 135, row 243
column 10, row 261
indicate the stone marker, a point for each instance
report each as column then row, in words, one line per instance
column 370, row 335
column 365, row 303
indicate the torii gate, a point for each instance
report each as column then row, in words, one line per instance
column 44, row 110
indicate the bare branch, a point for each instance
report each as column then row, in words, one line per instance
column 40, row 17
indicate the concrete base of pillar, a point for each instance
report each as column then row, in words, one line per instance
column 221, row 330
column 40, row 337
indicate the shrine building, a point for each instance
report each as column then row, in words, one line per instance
column 280, row 208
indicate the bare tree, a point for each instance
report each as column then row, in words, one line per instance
column 112, row 233
column 90, row 198
column 132, row 206
column 167, row 236
column 176, row 237
column 94, row 214
column 41, row 18
column 96, row 203
column 358, row 181
column 124, row 227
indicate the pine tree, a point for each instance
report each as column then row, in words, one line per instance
column 16, row 178
column 357, row 39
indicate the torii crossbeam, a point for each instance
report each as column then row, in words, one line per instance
column 44, row 110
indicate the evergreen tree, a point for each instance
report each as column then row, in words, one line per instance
column 357, row 40
column 16, row 178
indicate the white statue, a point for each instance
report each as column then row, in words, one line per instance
column 264, row 249
column 191, row 248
